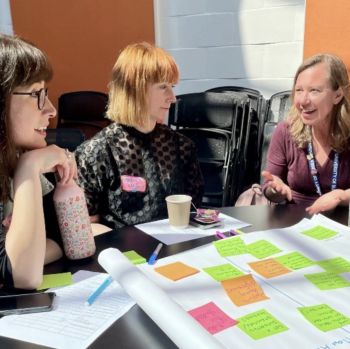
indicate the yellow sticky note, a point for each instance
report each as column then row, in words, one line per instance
column 176, row 271
column 269, row 268
column 244, row 290
column 56, row 280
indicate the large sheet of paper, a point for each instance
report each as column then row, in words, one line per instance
column 286, row 308
column 72, row 323
column 162, row 231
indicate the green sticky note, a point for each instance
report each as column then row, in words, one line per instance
column 335, row 265
column 56, row 280
column 319, row 233
column 223, row 272
column 134, row 257
column 231, row 246
column 262, row 249
column 327, row 280
column 260, row 324
column 324, row 317
column 295, row 260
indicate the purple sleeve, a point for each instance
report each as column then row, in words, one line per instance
column 277, row 153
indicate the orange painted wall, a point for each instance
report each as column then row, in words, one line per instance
column 327, row 28
column 82, row 37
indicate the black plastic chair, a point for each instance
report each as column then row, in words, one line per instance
column 84, row 110
column 278, row 106
column 245, row 159
column 209, row 119
column 268, row 131
column 68, row 138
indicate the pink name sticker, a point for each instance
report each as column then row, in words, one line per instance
column 133, row 184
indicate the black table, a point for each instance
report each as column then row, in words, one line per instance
column 135, row 330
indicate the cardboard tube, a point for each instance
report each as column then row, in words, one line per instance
column 177, row 324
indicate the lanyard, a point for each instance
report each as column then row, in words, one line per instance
column 313, row 170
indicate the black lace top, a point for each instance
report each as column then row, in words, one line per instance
column 165, row 159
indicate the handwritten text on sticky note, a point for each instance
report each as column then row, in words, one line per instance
column 269, row 268
column 212, row 318
column 244, row 290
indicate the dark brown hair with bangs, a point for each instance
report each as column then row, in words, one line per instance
column 21, row 64
column 138, row 66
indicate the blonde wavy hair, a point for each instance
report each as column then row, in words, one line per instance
column 137, row 66
column 340, row 119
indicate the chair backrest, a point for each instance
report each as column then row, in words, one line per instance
column 213, row 150
column 212, row 120
column 203, row 109
column 268, row 131
column 84, row 110
column 278, row 106
column 245, row 161
column 240, row 89
column 68, row 138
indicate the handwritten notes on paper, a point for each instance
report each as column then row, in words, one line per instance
column 244, row 290
column 295, row 260
column 336, row 265
column 260, row 324
column 56, row 280
column 327, row 280
column 212, row 318
column 230, row 247
column 262, row 249
column 176, row 271
column 324, row 317
column 223, row 272
column 320, row 233
column 269, row 268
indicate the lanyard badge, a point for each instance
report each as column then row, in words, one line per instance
column 313, row 170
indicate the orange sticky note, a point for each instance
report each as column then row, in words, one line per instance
column 244, row 290
column 176, row 271
column 269, row 268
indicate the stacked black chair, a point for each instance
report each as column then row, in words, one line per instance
column 84, row 110
column 245, row 158
column 68, row 138
column 212, row 120
column 278, row 106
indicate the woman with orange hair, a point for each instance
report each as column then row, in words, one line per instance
column 129, row 167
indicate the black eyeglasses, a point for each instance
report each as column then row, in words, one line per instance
column 40, row 95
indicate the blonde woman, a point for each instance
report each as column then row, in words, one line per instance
column 129, row 168
column 309, row 154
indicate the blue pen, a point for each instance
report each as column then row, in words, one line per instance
column 154, row 255
column 94, row 295
column 220, row 235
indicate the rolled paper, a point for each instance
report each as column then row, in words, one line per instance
column 174, row 321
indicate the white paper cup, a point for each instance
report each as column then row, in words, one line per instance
column 179, row 207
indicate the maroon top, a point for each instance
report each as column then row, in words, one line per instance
column 287, row 161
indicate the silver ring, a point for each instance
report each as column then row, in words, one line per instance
column 68, row 153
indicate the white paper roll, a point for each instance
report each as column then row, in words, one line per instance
column 177, row 324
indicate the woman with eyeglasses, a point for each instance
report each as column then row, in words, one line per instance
column 25, row 111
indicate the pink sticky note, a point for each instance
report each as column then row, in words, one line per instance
column 212, row 318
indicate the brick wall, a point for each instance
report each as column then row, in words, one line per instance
column 251, row 43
